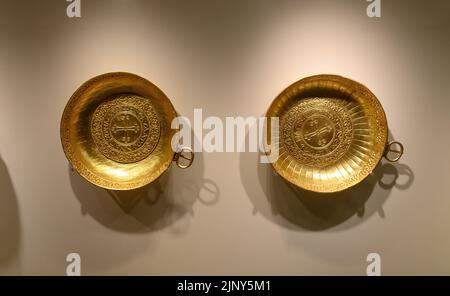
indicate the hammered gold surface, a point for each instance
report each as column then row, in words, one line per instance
column 125, row 128
column 333, row 132
column 115, row 131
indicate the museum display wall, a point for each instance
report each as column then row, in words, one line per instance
column 228, row 213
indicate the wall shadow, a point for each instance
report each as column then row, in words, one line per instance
column 9, row 224
column 155, row 206
column 294, row 208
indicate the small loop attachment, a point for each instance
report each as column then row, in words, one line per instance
column 185, row 153
column 390, row 149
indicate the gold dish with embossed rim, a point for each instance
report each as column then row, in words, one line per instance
column 116, row 132
column 332, row 133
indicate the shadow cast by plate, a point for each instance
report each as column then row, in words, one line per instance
column 9, row 224
column 294, row 208
column 158, row 205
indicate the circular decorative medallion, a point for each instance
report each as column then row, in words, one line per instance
column 332, row 133
column 125, row 128
column 317, row 131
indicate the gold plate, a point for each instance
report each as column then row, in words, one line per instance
column 332, row 133
column 116, row 131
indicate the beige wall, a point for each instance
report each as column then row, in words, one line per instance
column 227, row 214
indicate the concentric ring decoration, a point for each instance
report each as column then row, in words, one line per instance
column 116, row 131
column 332, row 133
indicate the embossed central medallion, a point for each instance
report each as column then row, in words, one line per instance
column 125, row 128
column 317, row 131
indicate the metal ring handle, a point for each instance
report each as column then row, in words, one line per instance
column 398, row 153
column 179, row 155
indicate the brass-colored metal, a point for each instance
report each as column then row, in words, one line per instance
column 116, row 131
column 179, row 155
column 333, row 132
column 398, row 153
